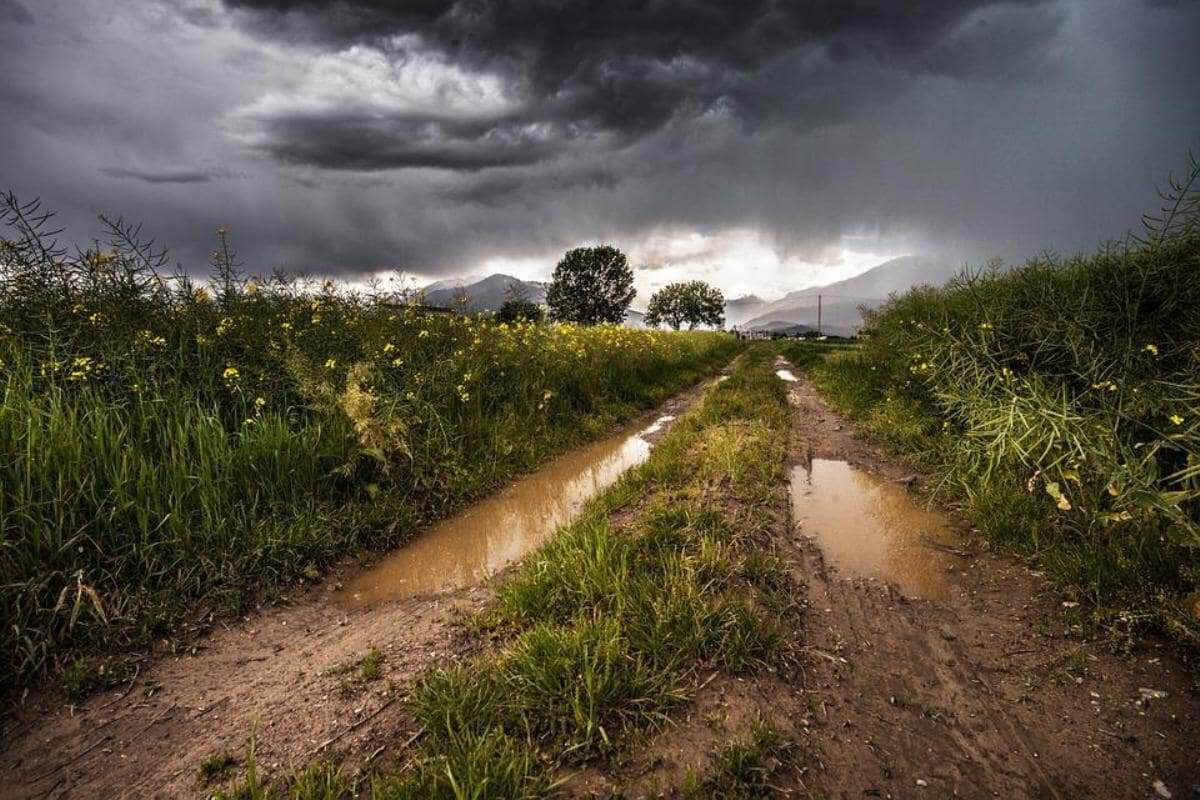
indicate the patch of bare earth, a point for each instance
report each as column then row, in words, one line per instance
column 987, row 693
column 290, row 672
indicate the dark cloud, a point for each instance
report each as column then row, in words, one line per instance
column 612, row 72
column 182, row 175
column 13, row 11
column 434, row 136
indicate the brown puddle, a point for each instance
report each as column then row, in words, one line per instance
column 871, row 528
column 466, row 549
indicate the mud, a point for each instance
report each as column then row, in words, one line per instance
column 868, row 527
column 472, row 546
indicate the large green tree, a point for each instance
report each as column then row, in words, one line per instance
column 693, row 302
column 591, row 285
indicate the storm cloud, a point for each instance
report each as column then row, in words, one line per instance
column 440, row 136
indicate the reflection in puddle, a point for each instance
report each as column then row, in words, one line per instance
column 868, row 527
column 786, row 375
column 494, row 532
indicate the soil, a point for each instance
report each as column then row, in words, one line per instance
column 991, row 689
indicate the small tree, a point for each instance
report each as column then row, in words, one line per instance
column 693, row 302
column 591, row 285
column 517, row 307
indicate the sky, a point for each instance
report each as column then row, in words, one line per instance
column 762, row 145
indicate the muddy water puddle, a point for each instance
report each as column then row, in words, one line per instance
column 466, row 549
column 867, row 527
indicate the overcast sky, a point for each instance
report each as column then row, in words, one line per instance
column 760, row 144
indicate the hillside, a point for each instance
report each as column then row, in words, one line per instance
column 840, row 301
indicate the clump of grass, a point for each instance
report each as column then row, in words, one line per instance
column 163, row 441
column 87, row 674
column 354, row 675
column 1059, row 400
column 743, row 768
column 215, row 767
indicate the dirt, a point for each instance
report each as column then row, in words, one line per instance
column 986, row 692
column 290, row 672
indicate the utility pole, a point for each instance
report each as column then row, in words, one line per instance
column 818, row 315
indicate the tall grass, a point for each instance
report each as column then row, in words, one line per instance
column 162, row 443
column 1061, row 399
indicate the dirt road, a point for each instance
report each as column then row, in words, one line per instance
column 981, row 693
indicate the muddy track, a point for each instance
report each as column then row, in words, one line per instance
column 280, row 670
column 981, row 694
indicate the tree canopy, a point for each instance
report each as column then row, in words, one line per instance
column 693, row 302
column 517, row 307
column 591, row 285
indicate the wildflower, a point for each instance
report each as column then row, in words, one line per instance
column 96, row 318
column 287, row 326
column 251, row 288
column 316, row 319
column 224, row 325
column 389, row 347
column 260, row 402
column 424, row 334
column 1152, row 349
column 985, row 326
column 409, row 396
column 331, row 363
column 397, row 362
column 1176, row 419
column 231, row 374
column 1105, row 386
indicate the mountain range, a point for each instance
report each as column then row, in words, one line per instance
column 797, row 311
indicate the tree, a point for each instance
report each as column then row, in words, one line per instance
column 517, row 307
column 694, row 302
column 591, row 285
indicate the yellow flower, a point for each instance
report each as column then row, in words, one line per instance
column 231, row 374
column 389, row 347
column 985, row 326
column 1152, row 349
column 316, row 319
column 1176, row 419
column 287, row 326
column 397, row 362
column 331, row 363
column 423, row 334
column 259, row 402
column 251, row 288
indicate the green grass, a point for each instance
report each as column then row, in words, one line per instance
column 161, row 445
column 1060, row 403
column 605, row 629
column 743, row 769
